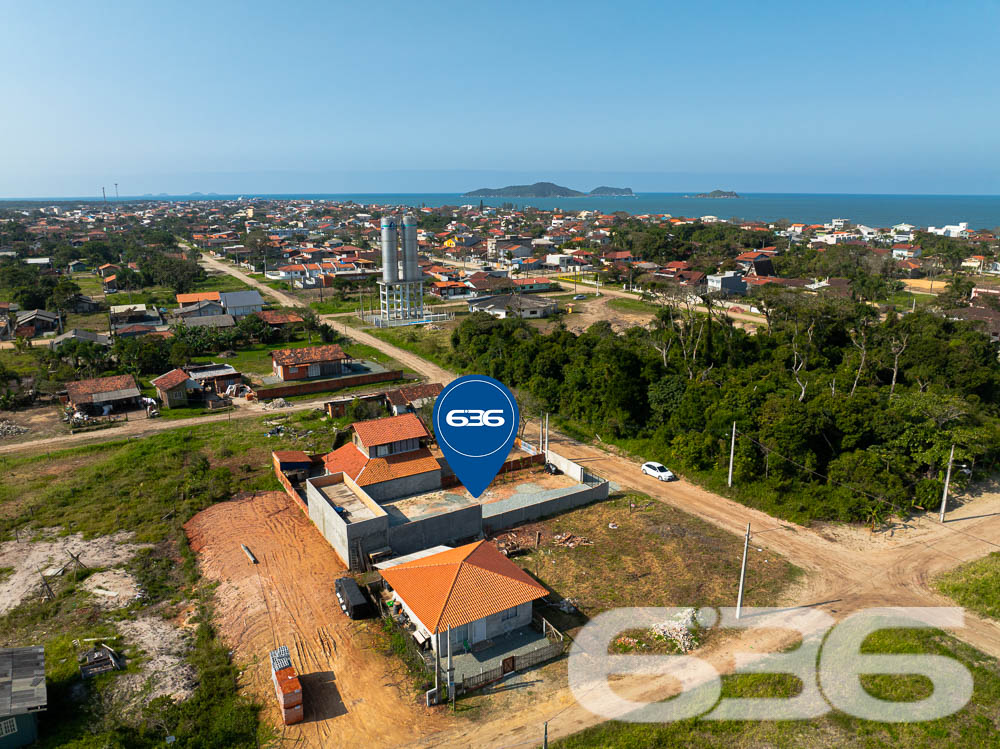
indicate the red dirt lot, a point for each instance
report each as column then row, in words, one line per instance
column 353, row 695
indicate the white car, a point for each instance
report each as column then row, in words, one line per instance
column 658, row 471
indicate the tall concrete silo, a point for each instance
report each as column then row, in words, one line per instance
column 411, row 268
column 390, row 256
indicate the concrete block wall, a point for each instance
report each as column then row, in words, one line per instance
column 567, row 466
column 509, row 512
column 438, row 529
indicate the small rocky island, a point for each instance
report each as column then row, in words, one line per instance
column 547, row 190
column 715, row 194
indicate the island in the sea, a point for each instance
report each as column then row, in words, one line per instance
column 547, row 190
column 715, row 194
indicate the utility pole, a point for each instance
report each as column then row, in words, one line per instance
column 947, row 480
column 451, row 673
column 743, row 571
column 104, row 195
column 732, row 453
column 545, row 736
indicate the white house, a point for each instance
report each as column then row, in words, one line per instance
column 474, row 590
column 960, row 230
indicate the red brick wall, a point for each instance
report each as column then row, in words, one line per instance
column 326, row 386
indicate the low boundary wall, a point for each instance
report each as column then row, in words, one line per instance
column 509, row 512
column 326, row 386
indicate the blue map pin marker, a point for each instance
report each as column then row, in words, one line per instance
column 475, row 422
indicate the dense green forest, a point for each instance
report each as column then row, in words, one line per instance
column 840, row 415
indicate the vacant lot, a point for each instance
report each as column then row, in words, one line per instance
column 352, row 696
column 641, row 552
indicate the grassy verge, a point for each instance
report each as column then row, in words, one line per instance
column 430, row 343
column 638, row 306
column 975, row 725
column 975, row 585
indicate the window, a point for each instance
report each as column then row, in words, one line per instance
column 509, row 614
column 8, row 727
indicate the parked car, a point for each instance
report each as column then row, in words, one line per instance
column 578, row 297
column 658, row 471
column 352, row 600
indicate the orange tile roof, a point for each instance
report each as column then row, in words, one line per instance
column 399, row 466
column 171, row 379
column 461, row 585
column 347, row 459
column 392, row 429
column 309, row 354
column 199, row 296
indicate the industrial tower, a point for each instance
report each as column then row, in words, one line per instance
column 401, row 290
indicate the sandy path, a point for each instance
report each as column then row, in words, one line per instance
column 350, row 693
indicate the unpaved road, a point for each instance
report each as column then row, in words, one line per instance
column 350, row 695
column 848, row 569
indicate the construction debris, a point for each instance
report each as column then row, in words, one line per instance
column 276, row 403
column 571, row 540
column 613, row 526
column 9, row 429
column 679, row 630
column 99, row 660
column 567, row 606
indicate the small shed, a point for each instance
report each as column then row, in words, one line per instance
column 22, row 694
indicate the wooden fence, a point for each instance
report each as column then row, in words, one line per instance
column 554, row 648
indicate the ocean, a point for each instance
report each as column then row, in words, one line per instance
column 980, row 211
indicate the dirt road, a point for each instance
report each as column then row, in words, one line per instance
column 141, row 427
column 352, row 695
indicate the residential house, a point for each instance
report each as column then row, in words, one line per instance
column 186, row 300
column 473, row 591
column 205, row 308
column 108, row 269
column 310, row 361
column 514, row 305
column 33, row 322
column 412, row 398
column 125, row 315
column 242, row 303
column 280, row 320
column 960, row 231
column 210, row 321
column 76, row 266
column 903, row 251
column 388, row 458
column 728, row 282
column 118, row 392
column 174, row 388
column 109, row 284
column 82, row 336
column 448, row 289
column 82, row 304
column 23, row 694
column 974, row 264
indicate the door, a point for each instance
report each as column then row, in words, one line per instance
column 477, row 631
column 508, row 664
column 314, row 370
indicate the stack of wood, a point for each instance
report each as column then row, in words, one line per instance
column 287, row 687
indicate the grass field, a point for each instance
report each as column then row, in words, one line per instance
column 19, row 363
column 633, row 305
column 433, row 344
column 975, row 585
column 976, row 725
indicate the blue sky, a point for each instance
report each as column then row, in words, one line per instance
column 896, row 97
